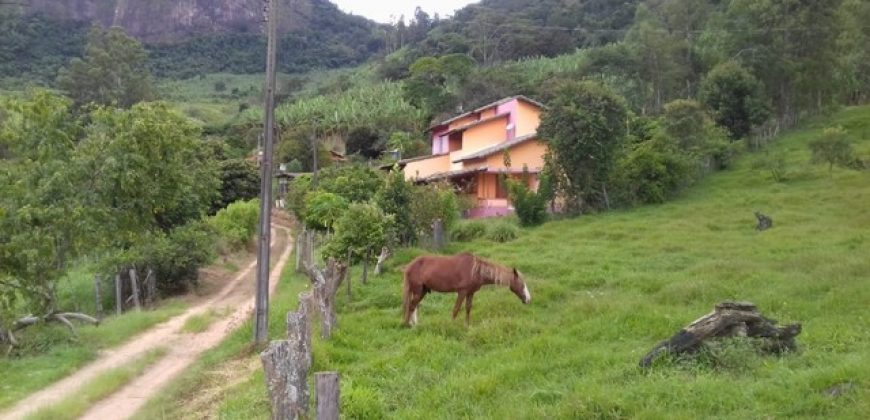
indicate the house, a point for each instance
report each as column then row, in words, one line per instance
column 471, row 151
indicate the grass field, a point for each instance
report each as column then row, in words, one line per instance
column 608, row 287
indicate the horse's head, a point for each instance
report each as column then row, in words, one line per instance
column 518, row 286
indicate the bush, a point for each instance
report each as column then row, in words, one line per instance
column 468, row 230
column 833, row 148
column 176, row 257
column 502, row 231
column 651, row 172
column 774, row 163
column 322, row 209
column 530, row 206
column 237, row 223
column 355, row 183
column 434, row 201
column 361, row 226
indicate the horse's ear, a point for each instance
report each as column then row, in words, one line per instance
column 516, row 273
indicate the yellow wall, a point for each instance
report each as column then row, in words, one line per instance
column 528, row 118
column 484, row 135
column 489, row 112
column 530, row 153
column 426, row 167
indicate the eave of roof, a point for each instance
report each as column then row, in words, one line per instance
column 476, row 123
column 451, row 174
column 491, row 150
column 404, row 162
column 487, row 106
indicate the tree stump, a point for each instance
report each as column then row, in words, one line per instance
column 379, row 267
column 728, row 319
column 764, row 222
column 328, row 395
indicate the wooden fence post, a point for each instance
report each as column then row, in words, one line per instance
column 134, row 284
column 328, row 395
column 119, row 295
column 298, row 249
column 347, row 274
column 379, row 267
column 98, row 303
column 366, row 258
column 151, row 287
column 438, row 234
column 286, row 364
column 326, row 283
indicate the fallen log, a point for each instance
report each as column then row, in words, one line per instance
column 728, row 319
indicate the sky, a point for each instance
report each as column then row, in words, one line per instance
column 385, row 11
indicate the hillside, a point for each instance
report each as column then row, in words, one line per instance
column 186, row 38
column 606, row 289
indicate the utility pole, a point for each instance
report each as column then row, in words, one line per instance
column 261, row 306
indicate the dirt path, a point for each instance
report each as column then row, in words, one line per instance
column 183, row 348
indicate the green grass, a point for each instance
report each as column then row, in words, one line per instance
column 100, row 387
column 605, row 289
column 51, row 353
column 198, row 323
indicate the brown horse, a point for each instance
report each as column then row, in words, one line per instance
column 464, row 274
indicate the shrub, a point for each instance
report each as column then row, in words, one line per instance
column 361, row 226
column 237, row 223
column 355, row 183
column 468, row 230
column 774, row 163
column 322, row 210
column 434, row 201
column 651, row 172
column 502, row 231
column 833, row 148
column 176, row 257
column 530, row 206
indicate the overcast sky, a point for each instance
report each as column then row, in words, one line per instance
column 385, row 11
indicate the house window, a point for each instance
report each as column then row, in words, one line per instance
column 455, row 142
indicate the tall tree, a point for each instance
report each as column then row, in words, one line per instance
column 584, row 126
column 734, row 97
column 112, row 72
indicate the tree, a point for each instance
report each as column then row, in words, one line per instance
column 361, row 227
column 833, row 148
column 322, row 209
column 145, row 169
column 734, row 96
column 583, row 125
column 112, row 72
column 394, row 198
column 239, row 180
column 40, row 212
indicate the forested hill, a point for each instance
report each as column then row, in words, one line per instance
column 185, row 38
column 496, row 30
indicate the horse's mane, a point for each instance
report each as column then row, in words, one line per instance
column 486, row 270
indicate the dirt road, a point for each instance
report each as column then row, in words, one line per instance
column 182, row 348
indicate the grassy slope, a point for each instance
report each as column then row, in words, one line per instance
column 606, row 288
